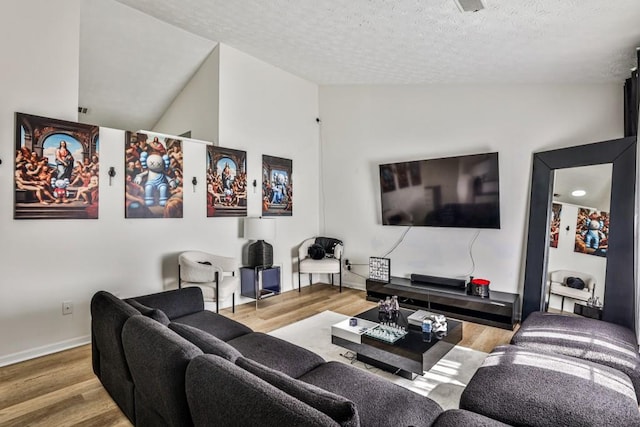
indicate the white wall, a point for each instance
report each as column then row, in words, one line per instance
column 565, row 258
column 264, row 110
column 364, row 126
column 195, row 108
column 45, row 262
column 39, row 42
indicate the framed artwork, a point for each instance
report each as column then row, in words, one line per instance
column 556, row 209
column 380, row 269
column 56, row 169
column 387, row 178
column 592, row 232
column 226, row 182
column 414, row 172
column 277, row 186
column 403, row 175
column 153, row 176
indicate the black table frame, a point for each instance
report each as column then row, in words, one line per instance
column 408, row 357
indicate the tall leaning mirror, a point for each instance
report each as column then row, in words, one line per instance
column 619, row 282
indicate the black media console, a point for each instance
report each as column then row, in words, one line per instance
column 500, row 309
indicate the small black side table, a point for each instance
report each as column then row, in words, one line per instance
column 259, row 282
column 585, row 310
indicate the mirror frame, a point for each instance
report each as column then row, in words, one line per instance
column 619, row 293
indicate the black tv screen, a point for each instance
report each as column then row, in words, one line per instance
column 461, row 191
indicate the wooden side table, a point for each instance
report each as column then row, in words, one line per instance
column 582, row 309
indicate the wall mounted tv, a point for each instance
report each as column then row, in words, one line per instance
column 459, row 191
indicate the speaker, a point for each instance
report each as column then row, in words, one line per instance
column 418, row 279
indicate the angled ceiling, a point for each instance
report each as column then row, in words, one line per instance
column 132, row 65
column 137, row 54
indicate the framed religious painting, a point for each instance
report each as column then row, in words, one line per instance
column 226, row 182
column 556, row 210
column 57, row 167
column 277, row 186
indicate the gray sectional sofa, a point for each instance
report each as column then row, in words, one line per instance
column 560, row 371
column 167, row 361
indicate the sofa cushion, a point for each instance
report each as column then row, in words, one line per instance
column 380, row 402
column 519, row 386
column 222, row 394
column 216, row 324
column 175, row 303
column 276, row 353
column 460, row 417
column 205, row 341
column 154, row 313
column 108, row 316
column 590, row 339
column 158, row 359
column 342, row 410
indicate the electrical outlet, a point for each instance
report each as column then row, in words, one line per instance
column 67, row 307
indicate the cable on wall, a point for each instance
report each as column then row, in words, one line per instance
column 322, row 174
column 398, row 242
column 473, row 261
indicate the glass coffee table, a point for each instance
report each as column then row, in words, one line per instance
column 408, row 356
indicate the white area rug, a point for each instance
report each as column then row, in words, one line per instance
column 443, row 383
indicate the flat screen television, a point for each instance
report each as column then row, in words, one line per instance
column 461, row 191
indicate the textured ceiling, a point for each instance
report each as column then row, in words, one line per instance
column 136, row 55
column 420, row 41
column 594, row 179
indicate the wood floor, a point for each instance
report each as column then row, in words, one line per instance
column 61, row 389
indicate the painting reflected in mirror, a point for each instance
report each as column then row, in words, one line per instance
column 579, row 230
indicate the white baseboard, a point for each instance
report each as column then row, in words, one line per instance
column 355, row 285
column 21, row 356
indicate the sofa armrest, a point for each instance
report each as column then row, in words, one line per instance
column 337, row 251
column 175, row 303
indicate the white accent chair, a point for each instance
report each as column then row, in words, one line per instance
column 558, row 285
column 214, row 274
column 330, row 264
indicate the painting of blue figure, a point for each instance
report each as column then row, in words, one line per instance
column 592, row 232
column 277, row 186
column 153, row 176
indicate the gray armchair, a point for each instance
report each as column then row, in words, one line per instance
column 214, row 274
column 330, row 263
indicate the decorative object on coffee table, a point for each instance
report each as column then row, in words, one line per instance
column 380, row 269
column 388, row 310
column 438, row 323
